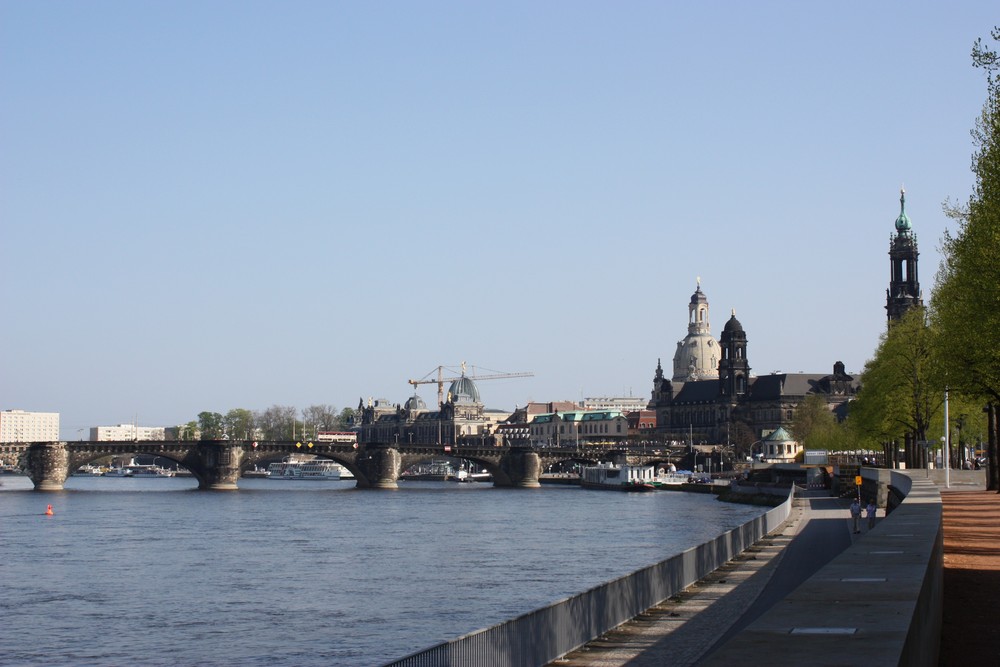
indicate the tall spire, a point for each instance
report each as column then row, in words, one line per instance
column 903, row 221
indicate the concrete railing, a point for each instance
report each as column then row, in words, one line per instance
column 877, row 603
column 538, row 637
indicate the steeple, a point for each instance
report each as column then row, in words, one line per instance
column 904, row 286
column 734, row 369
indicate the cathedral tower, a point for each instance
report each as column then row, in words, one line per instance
column 734, row 369
column 904, row 288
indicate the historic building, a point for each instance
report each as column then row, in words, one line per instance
column 460, row 417
column 736, row 405
column 697, row 356
column 904, row 287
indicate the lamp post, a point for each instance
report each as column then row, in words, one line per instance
column 947, row 434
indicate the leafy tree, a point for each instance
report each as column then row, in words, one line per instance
column 211, row 425
column 814, row 423
column 189, row 431
column 966, row 304
column 239, row 424
column 900, row 393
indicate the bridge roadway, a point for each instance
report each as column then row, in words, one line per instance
column 218, row 464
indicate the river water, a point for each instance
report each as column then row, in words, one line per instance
column 153, row 572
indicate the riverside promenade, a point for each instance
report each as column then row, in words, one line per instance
column 689, row 627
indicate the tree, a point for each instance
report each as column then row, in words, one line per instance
column 814, row 425
column 212, row 426
column 239, row 424
column 277, row 422
column 966, row 302
column 319, row 418
column 900, row 393
column 345, row 420
column 189, row 431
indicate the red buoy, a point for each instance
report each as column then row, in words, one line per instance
column 48, row 510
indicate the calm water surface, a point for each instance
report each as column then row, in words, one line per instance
column 154, row 572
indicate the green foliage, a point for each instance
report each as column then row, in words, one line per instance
column 239, row 424
column 211, row 425
column 814, row 423
column 901, row 390
column 966, row 300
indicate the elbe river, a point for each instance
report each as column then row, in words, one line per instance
column 137, row 571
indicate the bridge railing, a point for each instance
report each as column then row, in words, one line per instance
column 540, row 636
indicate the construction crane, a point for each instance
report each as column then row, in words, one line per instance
column 441, row 379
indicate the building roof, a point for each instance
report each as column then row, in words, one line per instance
column 779, row 435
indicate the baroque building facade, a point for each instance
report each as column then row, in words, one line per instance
column 735, row 404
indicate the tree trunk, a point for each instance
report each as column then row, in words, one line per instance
column 992, row 481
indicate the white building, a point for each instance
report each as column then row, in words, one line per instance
column 23, row 426
column 126, row 433
column 623, row 404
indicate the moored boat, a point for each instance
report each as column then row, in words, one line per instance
column 619, row 478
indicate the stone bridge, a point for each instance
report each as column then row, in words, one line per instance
column 218, row 464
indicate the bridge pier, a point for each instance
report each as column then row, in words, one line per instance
column 48, row 465
column 523, row 467
column 220, row 465
column 381, row 467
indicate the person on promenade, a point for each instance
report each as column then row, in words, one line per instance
column 856, row 515
column 872, row 510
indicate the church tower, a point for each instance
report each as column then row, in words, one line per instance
column 904, row 288
column 697, row 356
column 734, row 369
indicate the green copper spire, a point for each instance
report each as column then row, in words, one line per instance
column 902, row 222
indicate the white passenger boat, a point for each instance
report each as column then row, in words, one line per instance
column 619, row 478
column 88, row 470
column 311, row 469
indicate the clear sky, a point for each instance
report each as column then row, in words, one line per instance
column 217, row 205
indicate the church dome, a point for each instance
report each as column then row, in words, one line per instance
column 415, row 403
column 733, row 324
column 697, row 356
column 464, row 390
column 903, row 221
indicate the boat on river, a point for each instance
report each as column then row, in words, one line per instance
column 310, row 469
column 615, row 477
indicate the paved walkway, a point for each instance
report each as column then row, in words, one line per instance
column 971, row 634
column 688, row 626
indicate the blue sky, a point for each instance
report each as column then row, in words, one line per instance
column 207, row 206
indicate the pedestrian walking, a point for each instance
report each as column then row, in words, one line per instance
column 871, row 510
column 856, row 515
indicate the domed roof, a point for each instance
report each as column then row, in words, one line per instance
column 733, row 324
column 903, row 221
column 414, row 403
column 464, row 390
column 698, row 296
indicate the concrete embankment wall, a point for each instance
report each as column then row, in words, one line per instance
column 543, row 635
column 877, row 603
